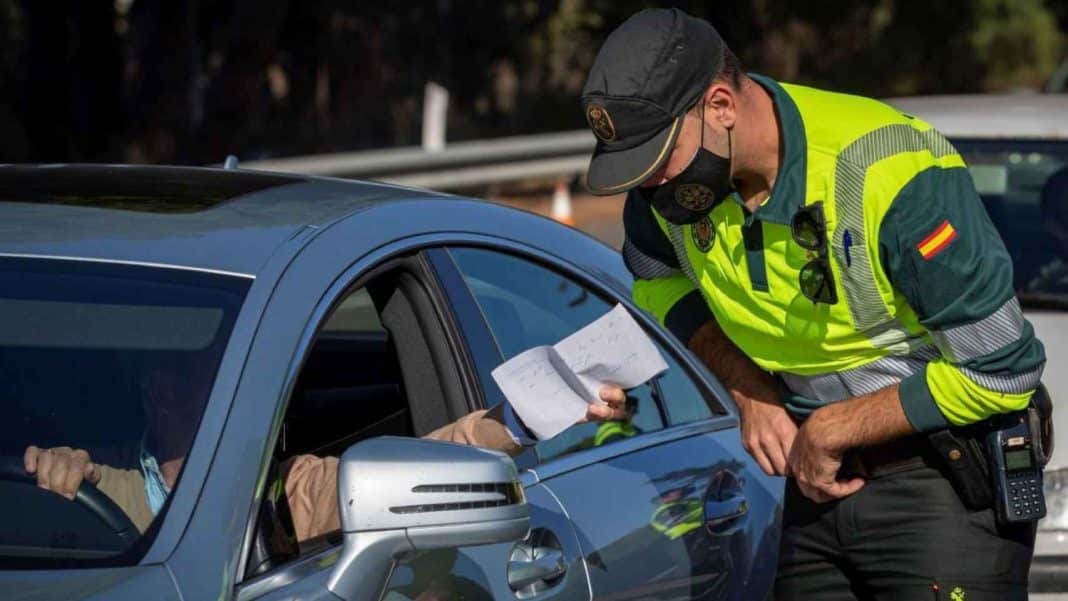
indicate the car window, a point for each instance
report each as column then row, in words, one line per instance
column 350, row 381
column 116, row 360
column 356, row 314
column 684, row 401
column 526, row 305
column 1024, row 186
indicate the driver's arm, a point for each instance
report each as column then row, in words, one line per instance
column 62, row 470
column 311, row 482
column 483, row 428
column 501, row 429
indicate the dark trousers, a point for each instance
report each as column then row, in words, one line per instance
column 905, row 535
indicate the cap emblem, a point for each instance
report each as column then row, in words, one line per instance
column 600, row 122
column 694, row 197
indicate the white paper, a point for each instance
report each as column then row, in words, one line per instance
column 612, row 350
column 550, row 387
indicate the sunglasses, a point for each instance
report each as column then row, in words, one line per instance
column 809, row 229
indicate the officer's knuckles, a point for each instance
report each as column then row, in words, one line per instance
column 786, row 427
column 754, row 443
column 768, row 439
column 749, row 439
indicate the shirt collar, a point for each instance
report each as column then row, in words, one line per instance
column 788, row 193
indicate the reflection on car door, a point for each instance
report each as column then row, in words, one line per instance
column 548, row 564
column 687, row 519
column 667, row 507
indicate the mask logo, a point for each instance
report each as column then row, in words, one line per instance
column 600, row 122
column 703, row 234
column 695, row 197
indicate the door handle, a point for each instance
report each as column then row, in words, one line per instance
column 720, row 513
column 544, row 564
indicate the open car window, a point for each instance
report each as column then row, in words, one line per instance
column 118, row 360
column 526, row 304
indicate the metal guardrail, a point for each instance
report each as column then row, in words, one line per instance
column 461, row 164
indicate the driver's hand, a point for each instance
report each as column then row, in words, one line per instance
column 613, row 409
column 61, row 469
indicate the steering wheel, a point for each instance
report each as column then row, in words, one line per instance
column 13, row 469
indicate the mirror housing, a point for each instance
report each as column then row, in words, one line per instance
column 402, row 495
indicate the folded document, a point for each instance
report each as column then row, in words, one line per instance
column 550, row 387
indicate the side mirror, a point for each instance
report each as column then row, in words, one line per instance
column 402, row 495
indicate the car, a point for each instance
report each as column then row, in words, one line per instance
column 1016, row 146
column 238, row 319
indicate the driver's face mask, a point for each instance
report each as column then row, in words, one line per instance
column 156, row 489
column 692, row 194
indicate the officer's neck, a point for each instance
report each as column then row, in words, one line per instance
column 757, row 146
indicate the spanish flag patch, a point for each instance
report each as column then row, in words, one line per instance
column 937, row 241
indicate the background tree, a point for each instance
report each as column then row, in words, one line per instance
column 192, row 80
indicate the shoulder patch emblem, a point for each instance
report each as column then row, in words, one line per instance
column 703, row 234
column 937, row 241
column 600, row 122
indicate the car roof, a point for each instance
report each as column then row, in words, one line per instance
column 204, row 218
column 989, row 116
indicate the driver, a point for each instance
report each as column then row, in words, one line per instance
column 310, row 481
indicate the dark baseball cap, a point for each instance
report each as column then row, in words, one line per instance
column 649, row 71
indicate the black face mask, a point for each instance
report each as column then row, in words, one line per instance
column 691, row 195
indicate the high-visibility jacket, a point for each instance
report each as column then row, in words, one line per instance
column 923, row 279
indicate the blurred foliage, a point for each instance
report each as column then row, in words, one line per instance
column 190, row 81
column 1018, row 41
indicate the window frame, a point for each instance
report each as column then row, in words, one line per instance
column 411, row 258
column 458, row 292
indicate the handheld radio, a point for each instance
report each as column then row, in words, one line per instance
column 1017, row 475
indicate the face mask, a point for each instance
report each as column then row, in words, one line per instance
column 156, row 489
column 691, row 195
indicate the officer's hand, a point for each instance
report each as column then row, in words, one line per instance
column 614, row 408
column 768, row 433
column 60, row 469
column 815, row 465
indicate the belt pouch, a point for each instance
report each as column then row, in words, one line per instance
column 964, row 464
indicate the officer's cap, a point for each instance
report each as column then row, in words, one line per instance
column 649, row 71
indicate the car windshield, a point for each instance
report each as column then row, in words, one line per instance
column 117, row 360
column 1024, row 185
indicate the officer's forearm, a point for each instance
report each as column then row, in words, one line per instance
column 861, row 421
column 742, row 378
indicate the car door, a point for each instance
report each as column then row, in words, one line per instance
column 667, row 506
column 547, row 565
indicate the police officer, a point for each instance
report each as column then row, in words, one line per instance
column 827, row 256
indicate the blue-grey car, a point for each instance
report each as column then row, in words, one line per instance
column 236, row 319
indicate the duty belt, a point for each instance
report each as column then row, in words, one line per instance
column 889, row 458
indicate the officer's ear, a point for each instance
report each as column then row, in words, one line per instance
column 721, row 103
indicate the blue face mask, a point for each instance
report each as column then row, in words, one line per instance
column 156, row 489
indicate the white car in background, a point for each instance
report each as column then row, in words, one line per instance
column 1017, row 149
